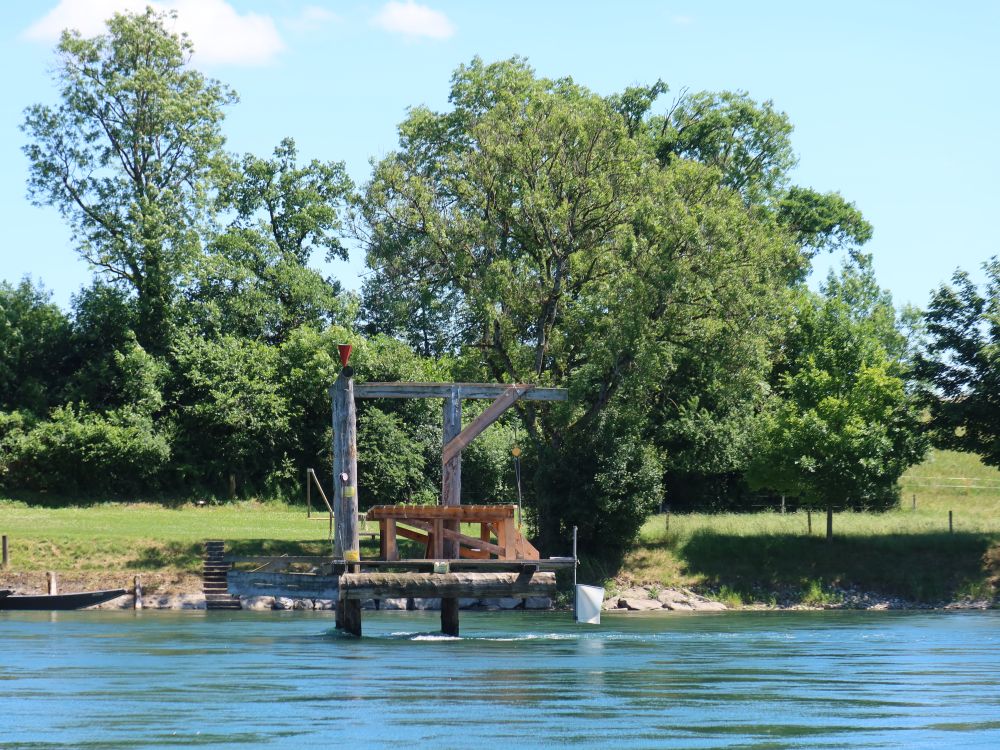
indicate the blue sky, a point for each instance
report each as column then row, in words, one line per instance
column 895, row 104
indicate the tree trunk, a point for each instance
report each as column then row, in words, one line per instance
column 829, row 523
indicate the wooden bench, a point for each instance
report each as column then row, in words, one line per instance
column 433, row 524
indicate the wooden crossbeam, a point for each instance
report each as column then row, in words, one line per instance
column 445, row 390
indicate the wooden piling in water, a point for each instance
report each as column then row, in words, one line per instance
column 346, row 545
column 451, row 494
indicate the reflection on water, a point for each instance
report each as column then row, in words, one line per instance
column 774, row 680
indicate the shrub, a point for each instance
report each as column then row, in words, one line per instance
column 79, row 451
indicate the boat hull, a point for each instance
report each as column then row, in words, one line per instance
column 60, row 601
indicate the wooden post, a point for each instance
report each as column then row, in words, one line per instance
column 809, row 521
column 914, row 501
column 782, row 505
column 451, row 471
column 53, row 583
column 951, row 527
column 345, row 468
column 451, row 494
column 137, row 604
column 346, row 544
column 309, row 505
column 829, row 523
column 352, row 616
column 6, row 557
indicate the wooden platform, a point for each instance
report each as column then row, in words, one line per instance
column 456, row 585
column 431, row 525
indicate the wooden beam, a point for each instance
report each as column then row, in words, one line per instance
column 356, row 586
column 464, row 513
column 471, row 541
column 454, row 445
column 444, row 390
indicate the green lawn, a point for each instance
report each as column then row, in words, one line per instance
column 148, row 537
column 748, row 557
column 908, row 553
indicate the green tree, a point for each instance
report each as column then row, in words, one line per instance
column 959, row 366
column 34, row 339
column 570, row 255
column 126, row 157
column 254, row 279
column 229, row 415
column 843, row 428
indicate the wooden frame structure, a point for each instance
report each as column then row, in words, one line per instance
column 440, row 528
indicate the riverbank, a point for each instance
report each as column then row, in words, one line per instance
column 940, row 549
column 179, row 590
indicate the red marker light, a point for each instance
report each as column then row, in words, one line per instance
column 345, row 353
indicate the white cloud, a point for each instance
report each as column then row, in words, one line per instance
column 413, row 20
column 682, row 20
column 220, row 34
column 311, row 18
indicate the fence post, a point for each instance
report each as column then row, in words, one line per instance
column 951, row 527
column 6, row 558
column 53, row 583
column 914, row 501
column 809, row 520
column 138, row 593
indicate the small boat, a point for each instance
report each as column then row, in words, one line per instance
column 77, row 600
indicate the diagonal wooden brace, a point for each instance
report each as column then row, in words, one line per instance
column 490, row 415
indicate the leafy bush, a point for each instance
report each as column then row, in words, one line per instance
column 76, row 450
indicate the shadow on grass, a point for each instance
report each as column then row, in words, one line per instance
column 927, row 568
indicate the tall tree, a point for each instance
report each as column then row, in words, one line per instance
column 571, row 255
column 126, row 154
column 959, row 368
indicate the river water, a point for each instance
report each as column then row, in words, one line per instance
column 105, row 679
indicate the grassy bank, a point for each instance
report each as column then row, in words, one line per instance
column 907, row 553
column 755, row 557
column 144, row 537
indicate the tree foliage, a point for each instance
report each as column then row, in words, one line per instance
column 566, row 252
column 34, row 334
column 959, row 367
column 125, row 157
column 843, row 428
column 648, row 261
